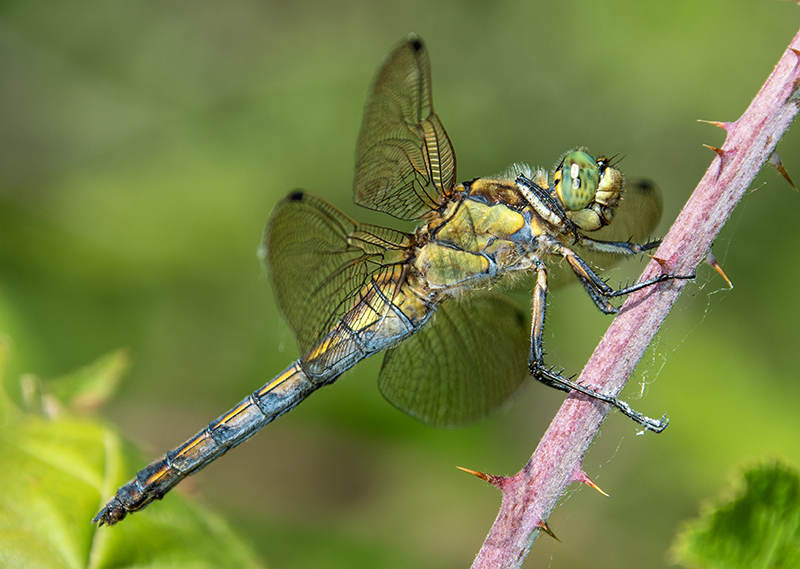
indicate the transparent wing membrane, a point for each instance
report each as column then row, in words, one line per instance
column 636, row 216
column 466, row 362
column 404, row 158
column 320, row 263
column 455, row 349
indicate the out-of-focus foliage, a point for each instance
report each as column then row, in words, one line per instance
column 144, row 144
column 758, row 527
column 56, row 471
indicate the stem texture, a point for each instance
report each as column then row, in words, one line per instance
column 530, row 495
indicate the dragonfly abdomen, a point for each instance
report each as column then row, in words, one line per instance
column 388, row 309
column 234, row 427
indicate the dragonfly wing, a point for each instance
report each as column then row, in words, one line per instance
column 636, row 216
column 404, row 158
column 461, row 366
column 319, row 261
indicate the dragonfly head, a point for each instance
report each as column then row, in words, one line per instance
column 590, row 188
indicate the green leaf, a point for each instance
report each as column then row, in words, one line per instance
column 5, row 403
column 758, row 528
column 91, row 386
column 55, row 476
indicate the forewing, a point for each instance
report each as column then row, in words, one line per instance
column 463, row 364
column 404, row 159
column 319, row 261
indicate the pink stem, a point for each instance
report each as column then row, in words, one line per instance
column 531, row 494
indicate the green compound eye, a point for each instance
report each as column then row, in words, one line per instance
column 578, row 180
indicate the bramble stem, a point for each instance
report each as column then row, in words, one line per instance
column 531, row 494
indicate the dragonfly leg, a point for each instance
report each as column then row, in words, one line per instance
column 549, row 377
column 552, row 378
column 628, row 248
column 539, row 305
column 597, row 288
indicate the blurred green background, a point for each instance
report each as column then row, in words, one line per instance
column 144, row 144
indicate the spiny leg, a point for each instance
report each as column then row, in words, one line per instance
column 628, row 248
column 597, row 288
column 536, row 357
column 554, row 379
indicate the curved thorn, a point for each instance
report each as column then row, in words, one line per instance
column 775, row 162
column 542, row 525
column 579, row 475
column 723, row 125
column 720, row 152
column 492, row 479
column 711, row 260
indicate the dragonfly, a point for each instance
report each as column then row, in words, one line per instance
column 454, row 346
